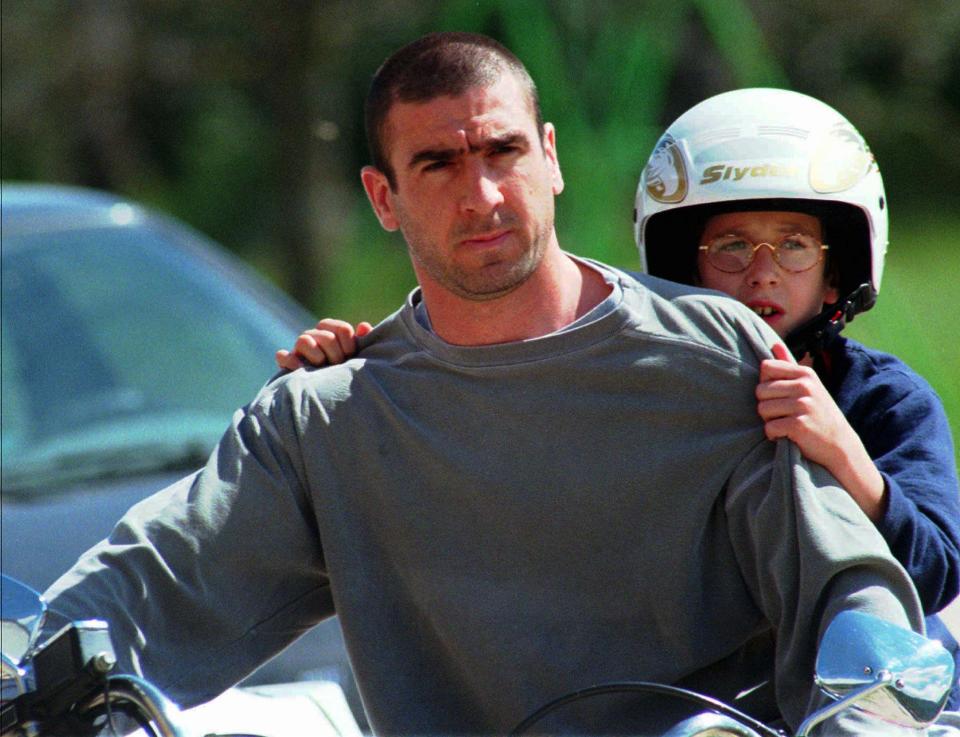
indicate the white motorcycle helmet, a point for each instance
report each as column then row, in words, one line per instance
column 766, row 149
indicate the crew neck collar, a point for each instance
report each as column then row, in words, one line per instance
column 605, row 319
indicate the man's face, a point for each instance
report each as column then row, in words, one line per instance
column 475, row 188
column 783, row 299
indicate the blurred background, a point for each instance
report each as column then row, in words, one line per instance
column 243, row 118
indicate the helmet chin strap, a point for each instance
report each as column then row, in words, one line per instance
column 816, row 334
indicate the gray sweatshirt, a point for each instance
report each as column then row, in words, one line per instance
column 497, row 526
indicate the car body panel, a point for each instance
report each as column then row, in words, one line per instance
column 128, row 341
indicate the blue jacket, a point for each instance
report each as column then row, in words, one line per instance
column 903, row 426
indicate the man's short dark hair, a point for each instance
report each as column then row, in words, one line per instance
column 438, row 65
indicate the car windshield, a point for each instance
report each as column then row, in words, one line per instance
column 120, row 354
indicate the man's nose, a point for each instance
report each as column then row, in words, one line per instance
column 481, row 189
column 764, row 268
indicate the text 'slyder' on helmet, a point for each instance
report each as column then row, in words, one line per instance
column 763, row 149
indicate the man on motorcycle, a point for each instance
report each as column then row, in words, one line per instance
column 515, row 491
column 789, row 170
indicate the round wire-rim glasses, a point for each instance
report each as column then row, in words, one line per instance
column 795, row 253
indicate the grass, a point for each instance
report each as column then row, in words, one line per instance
column 916, row 314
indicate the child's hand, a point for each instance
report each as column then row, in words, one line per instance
column 330, row 342
column 794, row 403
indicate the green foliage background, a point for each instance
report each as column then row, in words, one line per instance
column 243, row 117
column 915, row 317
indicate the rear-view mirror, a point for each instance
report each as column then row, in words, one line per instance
column 22, row 611
column 882, row 669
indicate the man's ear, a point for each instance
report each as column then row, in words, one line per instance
column 550, row 151
column 380, row 195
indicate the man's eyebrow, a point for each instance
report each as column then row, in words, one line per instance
column 507, row 139
column 433, row 154
column 448, row 154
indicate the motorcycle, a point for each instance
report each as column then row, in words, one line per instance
column 864, row 663
column 65, row 685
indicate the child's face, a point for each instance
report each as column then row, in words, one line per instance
column 783, row 299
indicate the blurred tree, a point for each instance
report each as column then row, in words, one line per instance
column 244, row 117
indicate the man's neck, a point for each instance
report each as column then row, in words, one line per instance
column 559, row 292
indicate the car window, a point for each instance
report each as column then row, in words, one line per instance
column 121, row 348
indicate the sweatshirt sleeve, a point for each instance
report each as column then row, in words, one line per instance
column 807, row 552
column 910, row 443
column 210, row 577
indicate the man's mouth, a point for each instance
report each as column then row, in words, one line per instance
column 486, row 239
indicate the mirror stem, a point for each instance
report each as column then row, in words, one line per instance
column 884, row 677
